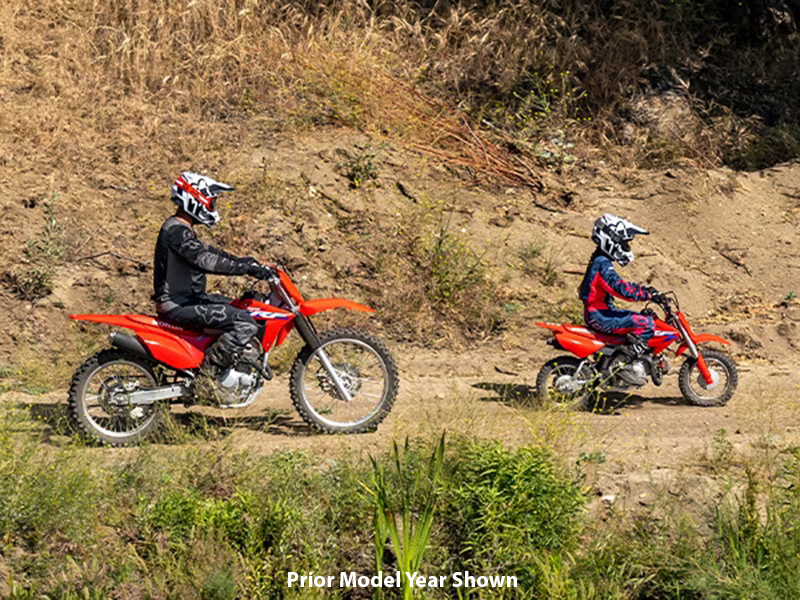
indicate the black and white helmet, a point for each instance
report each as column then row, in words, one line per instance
column 613, row 234
column 197, row 196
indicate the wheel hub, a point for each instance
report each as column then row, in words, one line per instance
column 708, row 386
column 566, row 384
column 349, row 375
column 114, row 398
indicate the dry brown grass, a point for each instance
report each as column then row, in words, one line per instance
column 94, row 89
column 126, row 88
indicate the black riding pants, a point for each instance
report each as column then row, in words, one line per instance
column 213, row 311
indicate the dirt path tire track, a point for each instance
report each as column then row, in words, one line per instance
column 654, row 427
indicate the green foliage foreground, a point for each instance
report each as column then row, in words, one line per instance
column 207, row 522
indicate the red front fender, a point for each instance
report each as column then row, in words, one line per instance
column 312, row 307
column 699, row 339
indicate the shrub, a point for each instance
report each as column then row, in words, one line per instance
column 41, row 255
column 437, row 285
column 506, row 507
column 361, row 167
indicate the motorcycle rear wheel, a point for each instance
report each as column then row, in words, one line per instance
column 96, row 402
column 693, row 386
column 364, row 364
column 550, row 395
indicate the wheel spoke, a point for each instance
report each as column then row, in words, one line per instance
column 109, row 410
column 361, row 370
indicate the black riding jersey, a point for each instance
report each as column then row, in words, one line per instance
column 181, row 263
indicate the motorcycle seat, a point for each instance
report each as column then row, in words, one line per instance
column 178, row 329
column 608, row 339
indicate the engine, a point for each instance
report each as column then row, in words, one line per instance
column 237, row 384
column 626, row 373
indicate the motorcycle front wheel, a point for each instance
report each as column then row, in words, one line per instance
column 99, row 398
column 723, row 373
column 363, row 365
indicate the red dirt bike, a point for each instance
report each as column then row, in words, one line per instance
column 342, row 381
column 706, row 377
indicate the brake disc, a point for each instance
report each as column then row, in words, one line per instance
column 350, row 376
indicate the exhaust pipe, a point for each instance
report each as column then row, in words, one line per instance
column 128, row 343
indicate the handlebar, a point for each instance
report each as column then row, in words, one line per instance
column 667, row 300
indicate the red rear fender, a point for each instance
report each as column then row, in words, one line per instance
column 312, row 307
column 167, row 343
column 550, row 326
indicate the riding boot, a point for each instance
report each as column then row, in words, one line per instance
column 634, row 349
column 222, row 354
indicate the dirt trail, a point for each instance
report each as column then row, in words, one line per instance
column 649, row 440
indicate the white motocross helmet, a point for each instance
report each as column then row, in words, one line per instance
column 197, row 195
column 613, row 235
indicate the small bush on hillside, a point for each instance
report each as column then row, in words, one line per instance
column 436, row 284
column 528, row 256
column 451, row 265
column 41, row 256
column 361, row 167
column 540, row 260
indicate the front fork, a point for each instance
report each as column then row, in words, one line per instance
column 307, row 331
column 695, row 353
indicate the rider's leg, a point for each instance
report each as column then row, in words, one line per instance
column 237, row 325
column 621, row 322
column 642, row 329
column 636, row 329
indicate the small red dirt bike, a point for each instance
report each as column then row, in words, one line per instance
column 706, row 377
column 342, row 381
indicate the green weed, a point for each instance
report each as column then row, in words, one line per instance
column 529, row 255
column 452, row 266
column 506, row 507
column 721, row 451
column 41, row 255
column 540, row 260
column 361, row 167
column 408, row 523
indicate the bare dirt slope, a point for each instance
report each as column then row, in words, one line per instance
column 726, row 242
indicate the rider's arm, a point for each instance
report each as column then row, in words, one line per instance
column 204, row 257
column 617, row 286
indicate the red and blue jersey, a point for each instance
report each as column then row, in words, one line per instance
column 601, row 284
column 599, row 287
